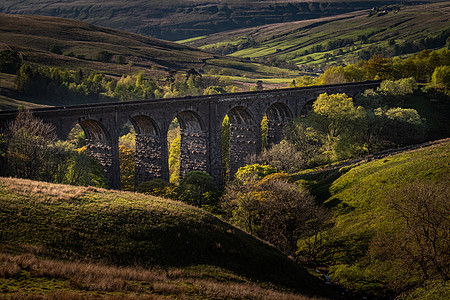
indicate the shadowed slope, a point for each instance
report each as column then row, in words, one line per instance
column 129, row 229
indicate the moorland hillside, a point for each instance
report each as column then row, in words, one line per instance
column 180, row 19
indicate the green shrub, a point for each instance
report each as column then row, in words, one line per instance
column 10, row 61
column 198, row 188
column 254, row 172
column 55, row 49
column 155, row 187
column 441, row 76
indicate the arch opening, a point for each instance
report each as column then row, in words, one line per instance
column 187, row 140
column 88, row 142
column 276, row 117
column 307, row 108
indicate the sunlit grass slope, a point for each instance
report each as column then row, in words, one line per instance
column 298, row 41
column 129, row 229
column 359, row 196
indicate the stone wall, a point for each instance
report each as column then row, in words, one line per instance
column 148, row 163
column 274, row 132
column 193, row 152
column 244, row 141
column 102, row 153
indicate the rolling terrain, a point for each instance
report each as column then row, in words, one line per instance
column 79, row 45
column 180, row 19
column 370, row 201
column 74, row 236
column 345, row 38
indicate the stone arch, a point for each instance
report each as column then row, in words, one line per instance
column 193, row 144
column 94, row 130
column 191, row 121
column 278, row 115
column 241, row 115
column 148, row 155
column 145, row 125
column 307, row 108
column 245, row 137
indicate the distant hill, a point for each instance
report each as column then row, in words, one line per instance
column 181, row 19
column 91, row 225
column 345, row 38
column 74, row 45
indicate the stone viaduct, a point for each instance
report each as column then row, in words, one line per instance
column 200, row 120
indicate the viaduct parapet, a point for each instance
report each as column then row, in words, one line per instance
column 200, row 120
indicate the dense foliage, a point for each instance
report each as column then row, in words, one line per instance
column 10, row 61
column 420, row 66
column 268, row 205
column 33, row 152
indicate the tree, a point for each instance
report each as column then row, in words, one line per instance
column 27, row 141
column 341, row 122
column 378, row 67
column 174, row 160
column 85, row 171
column 305, row 140
column 104, row 56
column 213, row 90
column 404, row 126
column 225, row 143
column 55, row 49
column 416, row 245
column 283, row 156
column 253, row 172
column 400, row 87
column 10, row 61
column 126, row 157
column 198, row 188
column 441, row 77
column 273, row 209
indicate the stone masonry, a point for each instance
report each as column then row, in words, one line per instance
column 200, row 121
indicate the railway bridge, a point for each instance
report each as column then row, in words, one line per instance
column 200, row 120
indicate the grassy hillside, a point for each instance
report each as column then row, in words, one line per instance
column 180, row 19
column 344, row 38
column 133, row 230
column 80, row 43
column 360, row 247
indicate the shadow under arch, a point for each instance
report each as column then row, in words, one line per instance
column 193, row 143
column 95, row 131
column 245, row 137
column 307, row 108
column 148, row 152
column 278, row 115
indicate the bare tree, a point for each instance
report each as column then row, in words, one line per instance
column 275, row 210
column 417, row 242
column 27, row 140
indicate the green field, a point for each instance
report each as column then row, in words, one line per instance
column 298, row 42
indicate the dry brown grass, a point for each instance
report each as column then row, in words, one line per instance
column 45, row 192
column 131, row 283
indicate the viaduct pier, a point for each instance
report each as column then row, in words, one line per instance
column 200, row 120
